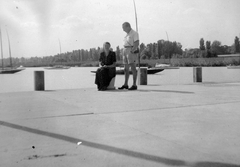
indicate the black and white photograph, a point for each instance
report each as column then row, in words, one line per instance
column 119, row 83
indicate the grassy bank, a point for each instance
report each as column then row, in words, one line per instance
column 183, row 62
column 192, row 62
column 180, row 62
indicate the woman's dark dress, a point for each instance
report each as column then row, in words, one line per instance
column 105, row 75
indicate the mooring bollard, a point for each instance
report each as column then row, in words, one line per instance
column 39, row 80
column 142, row 76
column 197, row 74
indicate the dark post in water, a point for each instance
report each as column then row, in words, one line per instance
column 142, row 76
column 39, row 80
column 197, row 74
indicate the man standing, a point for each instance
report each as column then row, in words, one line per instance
column 131, row 42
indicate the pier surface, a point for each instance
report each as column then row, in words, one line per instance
column 194, row 125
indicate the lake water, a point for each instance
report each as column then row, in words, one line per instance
column 81, row 77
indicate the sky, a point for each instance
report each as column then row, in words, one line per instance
column 36, row 27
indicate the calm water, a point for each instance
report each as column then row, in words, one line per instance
column 81, row 77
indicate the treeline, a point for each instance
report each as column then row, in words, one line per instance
column 209, row 50
column 167, row 50
column 160, row 50
column 76, row 57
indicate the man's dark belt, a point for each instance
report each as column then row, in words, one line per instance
column 127, row 46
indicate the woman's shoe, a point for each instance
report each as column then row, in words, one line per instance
column 104, row 88
column 123, row 87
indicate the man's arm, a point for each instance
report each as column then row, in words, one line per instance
column 135, row 45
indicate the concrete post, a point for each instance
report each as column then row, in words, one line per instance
column 197, row 74
column 39, row 80
column 142, row 76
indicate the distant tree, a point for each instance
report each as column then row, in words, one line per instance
column 95, row 54
column 233, row 49
column 79, row 55
column 225, row 49
column 216, row 48
column 82, row 55
column 208, row 49
column 74, row 55
column 90, row 56
column 118, row 53
column 147, row 51
column 179, row 48
column 144, row 54
column 237, row 45
column 160, row 48
column 154, row 51
column 167, row 49
column 202, row 46
column 191, row 53
column 174, row 47
column 150, row 50
column 142, row 47
column 208, row 45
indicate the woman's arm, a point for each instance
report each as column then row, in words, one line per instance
column 112, row 65
column 113, row 60
column 101, row 64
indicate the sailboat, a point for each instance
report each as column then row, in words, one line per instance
column 10, row 70
column 58, row 67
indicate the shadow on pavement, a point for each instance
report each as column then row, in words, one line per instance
column 153, row 90
column 166, row 91
column 162, row 160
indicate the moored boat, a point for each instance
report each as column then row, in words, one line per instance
column 58, row 67
column 10, row 71
column 149, row 71
column 165, row 66
column 233, row 67
column 7, row 70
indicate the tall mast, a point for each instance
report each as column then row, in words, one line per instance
column 9, row 47
column 135, row 15
column 136, row 30
column 167, row 36
column 60, row 50
column 1, row 47
column 60, row 46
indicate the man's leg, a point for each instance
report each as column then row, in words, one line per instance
column 126, row 73
column 126, row 69
column 134, row 72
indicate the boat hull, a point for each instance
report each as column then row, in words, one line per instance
column 57, row 68
column 10, row 71
column 149, row 71
column 233, row 67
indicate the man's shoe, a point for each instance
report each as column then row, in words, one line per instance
column 123, row 87
column 133, row 88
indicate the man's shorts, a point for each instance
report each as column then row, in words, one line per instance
column 128, row 57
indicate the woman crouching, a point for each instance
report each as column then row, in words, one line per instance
column 107, row 69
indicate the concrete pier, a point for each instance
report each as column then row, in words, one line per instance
column 193, row 125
